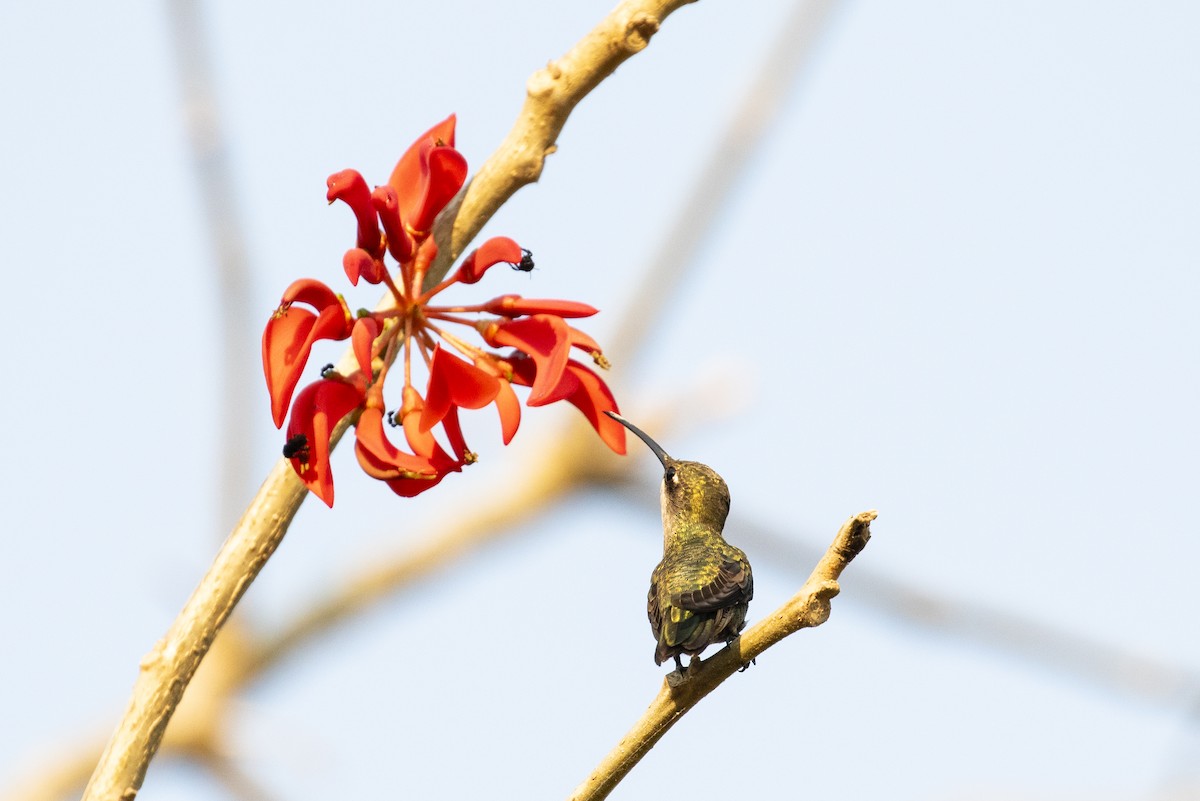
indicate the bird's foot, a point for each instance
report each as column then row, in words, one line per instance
column 676, row 676
column 746, row 666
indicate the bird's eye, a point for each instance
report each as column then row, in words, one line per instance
column 670, row 475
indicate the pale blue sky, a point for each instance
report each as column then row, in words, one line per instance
column 958, row 285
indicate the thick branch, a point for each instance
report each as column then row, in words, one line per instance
column 170, row 665
column 808, row 608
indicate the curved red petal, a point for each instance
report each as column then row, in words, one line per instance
column 289, row 336
column 454, row 382
column 442, row 462
column 515, row 306
column 365, row 331
column 358, row 263
column 387, row 205
column 336, row 319
column 310, row 291
column 510, row 411
column 381, row 459
column 349, row 187
column 407, row 177
column 444, row 174
column 332, row 323
column 593, row 398
column 412, row 487
column 453, row 429
column 547, row 340
column 492, row 252
column 584, row 342
column 407, row 169
column 317, row 410
column 285, row 347
column 421, row 442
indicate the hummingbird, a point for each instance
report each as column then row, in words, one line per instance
column 701, row 590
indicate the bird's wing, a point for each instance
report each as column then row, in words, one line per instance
column 652, row 608
column 733, row 584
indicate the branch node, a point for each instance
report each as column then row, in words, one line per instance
column 827, row 590
column 860, row 536
column 638, row 31
column 541, row 83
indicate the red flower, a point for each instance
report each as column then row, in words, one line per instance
column 395, row 219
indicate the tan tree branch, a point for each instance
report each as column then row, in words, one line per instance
column 168, row 668
column 809, row 607
column 551, row 95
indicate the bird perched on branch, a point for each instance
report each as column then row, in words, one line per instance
column 701, row 590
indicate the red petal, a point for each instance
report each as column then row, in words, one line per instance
column 422, row 442
column 381, row 459
column 284, row 355
column 387, row 205
column 492, row 252
column 547, row 339
column 584, row 342
column 289, row 336
column 358, row 263
column 441, row 461
column 447, row 172
column 411, row 487
column 515, row 306
column 510, row 411
column 453, row 429
column 414, row 175
column 318, row 409
column 349, row 187
column 365, row 331
column 408, row 168
column 454, row 382
column 311, row 291
column 593, row 398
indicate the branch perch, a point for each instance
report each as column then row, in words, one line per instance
column 809, row 607
column 168, row 668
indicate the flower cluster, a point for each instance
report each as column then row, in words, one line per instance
column 395, row 219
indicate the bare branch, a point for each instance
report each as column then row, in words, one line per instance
column 809, row 607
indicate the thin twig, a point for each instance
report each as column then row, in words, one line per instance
column 809, row 607
column 1033, row 641
column 169, row 667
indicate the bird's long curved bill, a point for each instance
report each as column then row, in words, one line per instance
column 643, row 436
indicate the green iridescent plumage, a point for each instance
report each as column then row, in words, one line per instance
column 701, row 590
